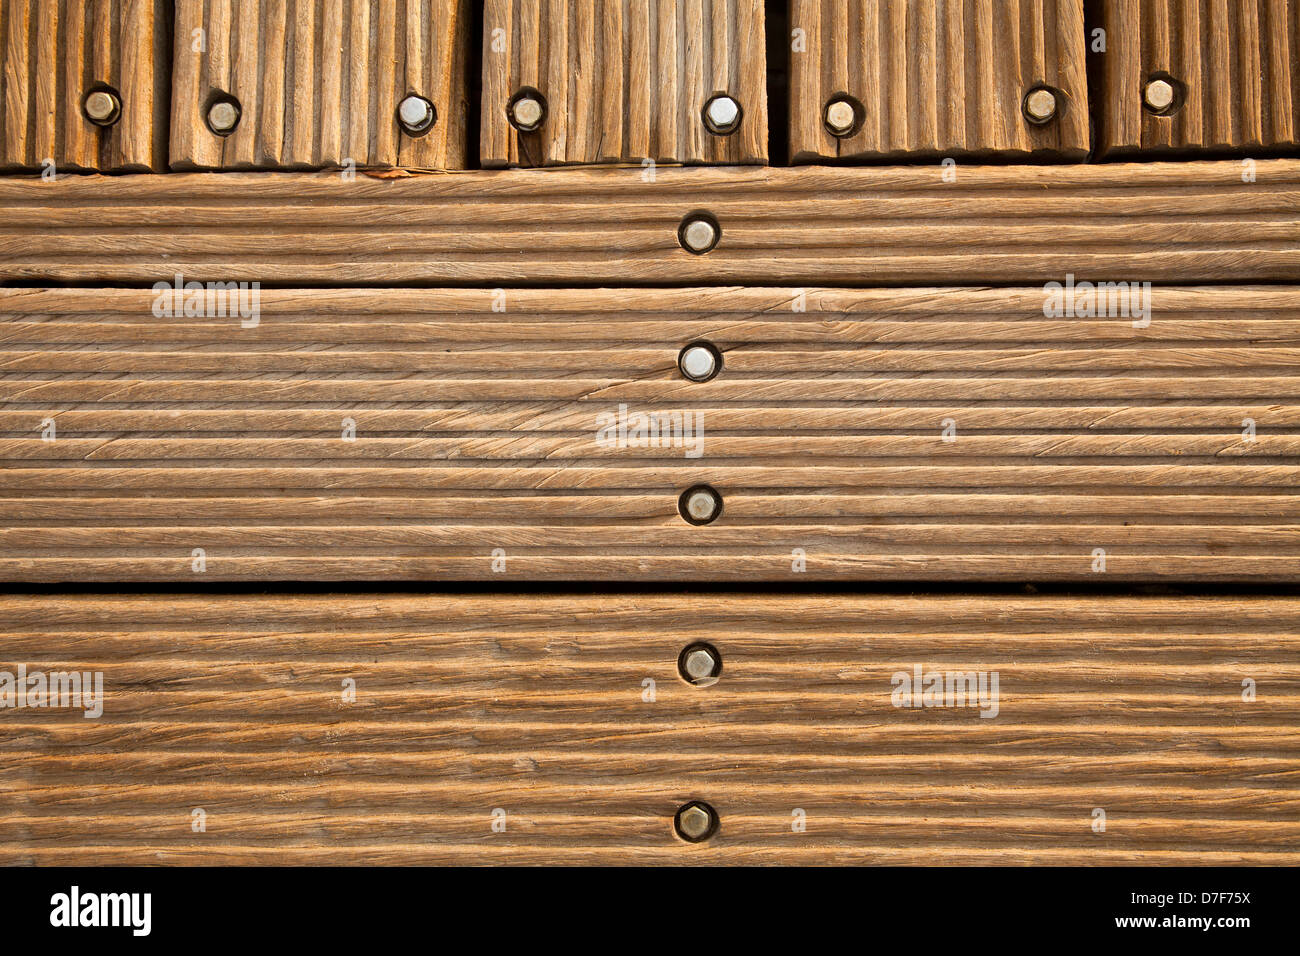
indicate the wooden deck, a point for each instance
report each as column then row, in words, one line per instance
column 563, row 721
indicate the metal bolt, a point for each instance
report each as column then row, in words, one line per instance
column 700, row 664
column 223, row 117
column 699, row 363
column 415, row 113
column 698, row 234
column 102, row 108
column 526, row 113
column 696, row 822
column 1040, row 105
column 701, row 504
column 722, row 115
column 840, row 117
column 1158, row 95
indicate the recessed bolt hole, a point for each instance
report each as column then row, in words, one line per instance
column 699, row 233
column 699, row 361
column 696, row 821
column 700, row 664
column 721, row 115
column 526, row 110
column 700, row 504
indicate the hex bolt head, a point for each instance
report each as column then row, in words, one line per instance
column 1040, row 105
column 415, row 114
column 698, row 234
column 699, row 363
column 696, row 822
column 223, row 117
column 722, row 115
column 700, row 505
column 700, row 664
column 840, row 117
column 1158, row 95
column 527, row 110
column 102, row 108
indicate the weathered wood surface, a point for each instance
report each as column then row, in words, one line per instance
column 1237, row 63
column 319, row 83
column 55, row 54
column 1176, row 222
column 538, row 706
column 623, row 81
column 878, row 435
column 938, row 78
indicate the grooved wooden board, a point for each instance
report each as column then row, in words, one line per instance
column 623, row 80
column 938, row 77
column 537, row 706
column 1238, row 62
column 1178, row 222
column 55, row 54
column 319, row 83
column 895, row 435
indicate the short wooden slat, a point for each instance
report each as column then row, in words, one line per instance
column 797, row 227
column 938, row 79
column 319, row 83
column 1236, row 65
column 624, row 82
column 55, row 54
column 1172, row 446
column 567, row 714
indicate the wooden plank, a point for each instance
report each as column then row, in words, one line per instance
column 807, row 226
column 1234, row 69
column 937, row 78
column 433, row 434
column 316, row 87
column 639, row 93
column 565, row 719
column 56, row 55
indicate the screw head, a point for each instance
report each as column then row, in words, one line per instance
column 1158, row 95
column 700, row 505
column 700, row 664
column 699, row 363
column 1040, row 105
column 696, row 822
column 415, row 114
column 223, row 117
column 840, row 117
column 698, row 234
column 102, row 108
column 527, row 112
column 722, row 115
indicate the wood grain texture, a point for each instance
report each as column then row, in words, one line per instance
column 536, row 705
column 1238, row 63
column 938, row 77
column 55, row 54
column 624, row 80
column 319, row 83
column 1177, row 222
column 482, row 447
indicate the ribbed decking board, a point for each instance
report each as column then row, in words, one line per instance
column 1238, row 62
column 55, row 54
column 938, row 78
column 1175, row 222
column 480, row 446
column 538, row 706
column 624, row 80
column 319, row 82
